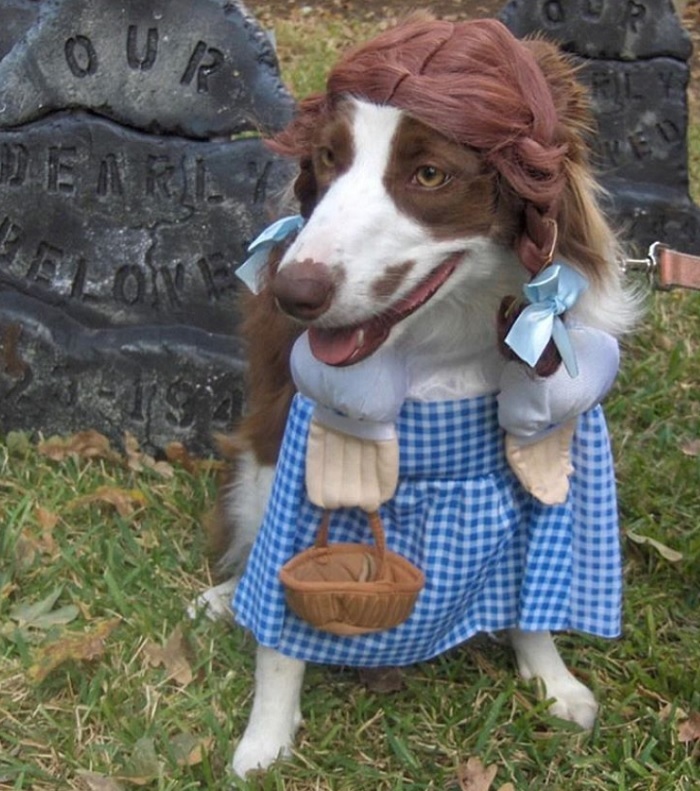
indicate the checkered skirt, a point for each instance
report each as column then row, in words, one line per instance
column 494, row 557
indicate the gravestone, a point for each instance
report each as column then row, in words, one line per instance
column 132, row 179
column 634, row 59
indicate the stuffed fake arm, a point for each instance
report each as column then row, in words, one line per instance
column 352, row 453
column 539, row 414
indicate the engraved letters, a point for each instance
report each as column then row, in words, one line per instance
column 203, row 62
column 141, row 54
column 134, row 58
column 127, row 193
column 81, row 56
column 555, row 13
column 61, row 169
column 14, row 158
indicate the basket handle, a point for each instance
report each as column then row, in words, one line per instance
column 375, row 523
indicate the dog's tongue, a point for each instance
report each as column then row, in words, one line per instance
column 346, row 345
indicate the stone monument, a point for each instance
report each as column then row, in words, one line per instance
column 132, row 178
column 634, row 59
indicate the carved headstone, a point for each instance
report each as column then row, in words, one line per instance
column 634, row 59
column 132, row 179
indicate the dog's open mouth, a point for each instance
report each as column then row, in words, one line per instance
column 348, row 345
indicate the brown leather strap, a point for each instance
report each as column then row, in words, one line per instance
column 667, row 268
column 675, row 269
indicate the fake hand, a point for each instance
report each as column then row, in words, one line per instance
column 346, row 471
column 543, row 467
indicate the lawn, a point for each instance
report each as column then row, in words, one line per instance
column 105, row 685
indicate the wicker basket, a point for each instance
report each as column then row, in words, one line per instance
column 351, row 589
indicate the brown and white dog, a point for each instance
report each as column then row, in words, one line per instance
column 442, row 167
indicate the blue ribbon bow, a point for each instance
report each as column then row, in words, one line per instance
column 552, row 292
column 260, row 247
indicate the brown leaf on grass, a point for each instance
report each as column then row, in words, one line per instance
column 47, row 519
column 689, row 730
column 173, row 656
column 672, row 555
column 474, row 776
column 71, row 646
column 47, row 522
column 691, row 448
column 177, row 453
column 85, row 444
column 138, row 461
column 143, row 766
column 92, row 781
column 382, row 680
column 41, row 615
column 189, row 750
column 125, row 501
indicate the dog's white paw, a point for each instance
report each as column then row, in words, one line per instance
column 214, row 603
column 573, row 701
column 538, row 658
column 260, row 751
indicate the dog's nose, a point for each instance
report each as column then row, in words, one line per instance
column 304, row 289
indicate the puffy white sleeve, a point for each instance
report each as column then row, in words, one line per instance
column 362, row 400
column 529, row 406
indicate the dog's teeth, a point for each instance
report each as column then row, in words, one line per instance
column 360, row 338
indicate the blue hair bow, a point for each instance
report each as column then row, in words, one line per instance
column 260, row 247
column 552, row 292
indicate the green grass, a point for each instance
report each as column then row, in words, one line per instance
column 117, row 720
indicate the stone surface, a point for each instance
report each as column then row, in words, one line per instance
column 634, row 59
column 131, row 182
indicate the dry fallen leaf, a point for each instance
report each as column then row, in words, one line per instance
column 143, row 765
column 47, row 522
column 474, row 776
column 189, row 750
column 96, row 782
column 689, row 730
column 177, row 453
column 71, row 646
column 47, row 519
column 382, row 680
column 137, row 460
column 173, row 656
column 85, row 444
column 41, row 615
column 691, row 448
column 666, row 552
column 125, row 501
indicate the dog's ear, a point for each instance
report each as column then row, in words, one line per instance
column 306, row 188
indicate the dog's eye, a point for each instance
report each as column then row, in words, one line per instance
column 430, row 177
column 326, row 157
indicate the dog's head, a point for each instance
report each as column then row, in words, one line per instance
column 442, row 157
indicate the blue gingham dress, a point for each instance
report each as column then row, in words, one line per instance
column 493, row 556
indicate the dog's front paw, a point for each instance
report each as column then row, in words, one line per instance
column 215, row 602
column 573, row 701
column 259, row 752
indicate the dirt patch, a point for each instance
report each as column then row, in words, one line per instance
column 388, row 9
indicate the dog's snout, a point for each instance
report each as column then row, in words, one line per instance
column 304, row 289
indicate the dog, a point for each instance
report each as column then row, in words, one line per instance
column 442, row 169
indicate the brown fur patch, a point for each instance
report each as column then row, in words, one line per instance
column 469, row 202
column 385, row 286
